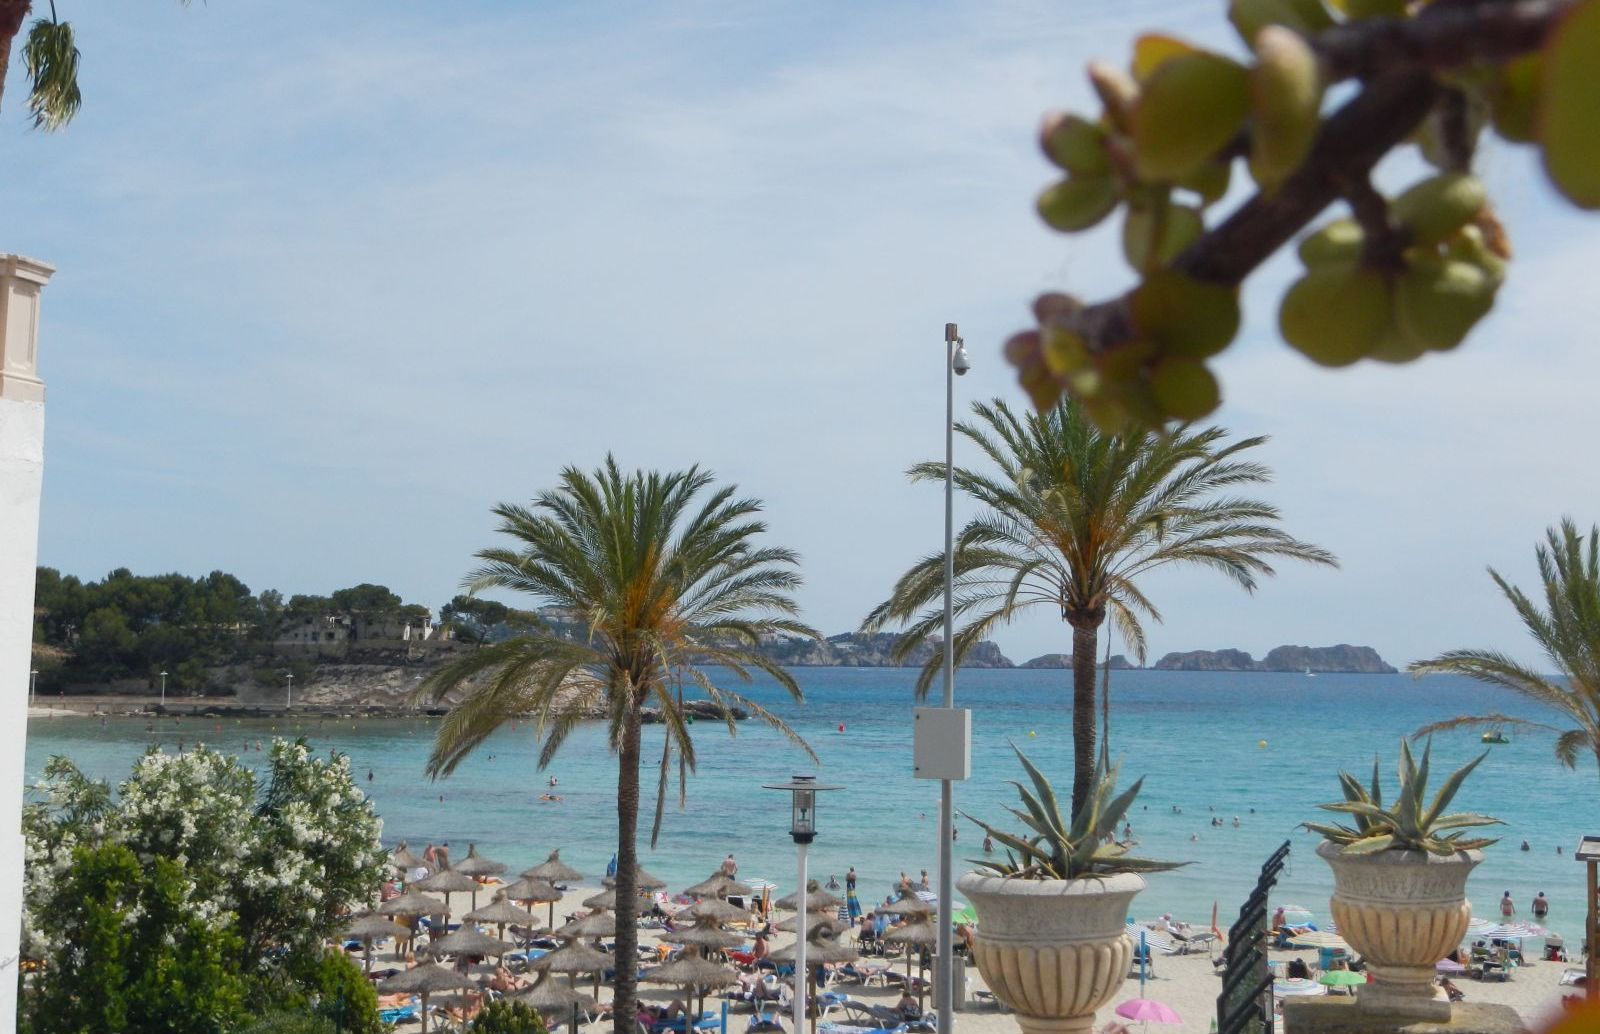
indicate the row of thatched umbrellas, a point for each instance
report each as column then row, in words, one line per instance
column 693, row 968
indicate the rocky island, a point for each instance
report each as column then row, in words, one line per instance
column 1340, row 659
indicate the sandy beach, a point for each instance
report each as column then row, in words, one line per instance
column 1189, row 984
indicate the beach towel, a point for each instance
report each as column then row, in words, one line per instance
column 853, row 903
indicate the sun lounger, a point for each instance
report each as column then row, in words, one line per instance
column 400, row 1015
column 768, row 1017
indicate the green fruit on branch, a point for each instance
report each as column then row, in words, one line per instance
column 1064, row 352
column 1470, row 245
column 1184, row 388
column 1569, row 101
column 1154, row 235
column 1152, row 50
column 1025, row 352
column 1395, row 347
column 1187, row 317
column 1358, row 9
column 1078, row 202
column 1439, row 206
column 1192, row 106
column 1437, row 302
column 1118, row 92
column 1514, row 98
column 1251, row 16
column 1285, row 104
column 1335, row 314
column 1340, row 241
column 1075, row 144
column 1209, row 181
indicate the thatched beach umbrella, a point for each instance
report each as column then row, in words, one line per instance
column 475, row 864
column 553, row 870
column 467, row 941
column 821, row 949
column 531, row 889
column 552, row 998
column 717, row 909
column 643, row 880
column 429, row 978
column 826, row 919
column 907, row 904
column 595, row 924
column 500, row 912
column 607, row 899
column 697, row 975
column 718, row 886
column 816, row 900
column 706, row 935
column 447, row 882
column 372, row 927
column 403, row 859
column 574, row 958
column 912, row 934
column 413, row 905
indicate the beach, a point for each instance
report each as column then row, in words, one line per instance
column 1188, row 984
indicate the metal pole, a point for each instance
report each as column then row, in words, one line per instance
column 163, row 691
column 942, row 977
column 290, row 704
column 33, row 686
column 1591, row 963
column 800, row 948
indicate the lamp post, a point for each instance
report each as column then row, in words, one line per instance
column 1588, row 853
column 956, row 364
column 290, row 702
column 163, row 691
column 33, row 686
column 803, row 790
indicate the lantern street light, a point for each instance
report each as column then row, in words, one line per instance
column 163, row 691
column 803, row 790
column 33, row 686
column 290, row 702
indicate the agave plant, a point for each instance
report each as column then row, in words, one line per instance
column 1053, row 850
column 1409, row 825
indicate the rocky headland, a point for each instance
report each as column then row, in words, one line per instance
column 1341, row 659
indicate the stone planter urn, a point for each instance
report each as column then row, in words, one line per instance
column 1403, row 911
column 1053, row 950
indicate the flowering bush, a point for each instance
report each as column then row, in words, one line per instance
column 273, row 860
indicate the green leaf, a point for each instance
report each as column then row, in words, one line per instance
column 1451, row 785
column 1370, row 845
column 1463, row 820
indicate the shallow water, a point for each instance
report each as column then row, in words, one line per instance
column 1194, row 736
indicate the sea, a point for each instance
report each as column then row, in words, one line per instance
column 1258, row 750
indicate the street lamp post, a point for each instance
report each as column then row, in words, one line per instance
column 290, row 702
column 163, row 691
column 956, row 364
column 803, row 790
column 33, row 686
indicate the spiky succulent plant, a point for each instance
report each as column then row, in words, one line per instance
column 1053, row 850
column 1411, row 824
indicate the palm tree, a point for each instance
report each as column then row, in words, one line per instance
column 1073, row 518
column 1567, row 629
column 665, row 581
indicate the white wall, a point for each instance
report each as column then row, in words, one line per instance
column 21, row 477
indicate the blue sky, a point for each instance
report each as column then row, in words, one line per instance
column 335, row 278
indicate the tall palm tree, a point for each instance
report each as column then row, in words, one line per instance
column 666, row 580
column 1567, row 629
column 1073, row 518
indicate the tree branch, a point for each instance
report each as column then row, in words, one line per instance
column 1397, row 59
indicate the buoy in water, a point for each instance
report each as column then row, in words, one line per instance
column 1262, row 744
column 841, row 727
column 1031, row 734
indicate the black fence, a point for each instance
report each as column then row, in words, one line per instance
column 1245, row 1004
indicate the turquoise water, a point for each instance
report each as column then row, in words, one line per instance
column 1194, row 736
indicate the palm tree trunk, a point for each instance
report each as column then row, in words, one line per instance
column 12, row 13
column 1085, row 632
column 626, row 959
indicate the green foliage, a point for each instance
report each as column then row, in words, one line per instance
column 508, row 1017
column 1411, row 824
column 51, row 58
column 339, row 992
column 291, row 1021
column 132, row 955
column 1052, row 849
column 1073, row 519
column 1566, row 627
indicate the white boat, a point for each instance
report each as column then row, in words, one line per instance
column 1309, row 673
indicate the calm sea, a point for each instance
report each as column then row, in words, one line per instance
column 1196, row 737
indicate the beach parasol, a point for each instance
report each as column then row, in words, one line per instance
column 643, row 880
column 715, row 908
column 373, row 927
column 816, row 901
column 429, row 978
column 1515, row 931
column 705, row 935
column 608, row 899
column 1341, row 978
column 821, row 950
column 694, row 972
column 1297, row 987
column 403, row 859
column 550, row 997
column 468, row 941
column 1450, row 966
column 828, row 919
column 967, row 914
column 1146, row 1010
column 448, row 882
column 1318, row 939
column 908, row 904
column 413, row 903
column 595, row 924
column 574, row 958
column 553, row 870
column 718, row 886
column 531, row 889
column 498, row 911
column 917, row 933
column 474, row 864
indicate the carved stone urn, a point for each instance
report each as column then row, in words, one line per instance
column 1053, row 950
column 1402, row 911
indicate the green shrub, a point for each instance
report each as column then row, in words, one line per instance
column 290, row 1022
column 507, row 1017
column 332, row 986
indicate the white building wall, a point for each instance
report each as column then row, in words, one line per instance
column 21, row 478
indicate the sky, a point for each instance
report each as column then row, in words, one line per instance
column 336, row 278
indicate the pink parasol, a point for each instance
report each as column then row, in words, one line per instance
column 1450, row 966
column 1148, row 1011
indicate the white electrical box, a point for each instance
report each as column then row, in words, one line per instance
column 942, row 743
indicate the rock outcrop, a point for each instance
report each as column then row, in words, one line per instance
column 858, row 650
column 1341, row 659
column 1064, row 660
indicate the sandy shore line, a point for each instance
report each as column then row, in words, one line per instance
column 54, row 712
column 1188, row 984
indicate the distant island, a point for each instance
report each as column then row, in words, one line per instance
column 1341, row 659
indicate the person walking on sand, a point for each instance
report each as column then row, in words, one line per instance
column 925, row 885
column 730, row 868
column 1541, row 907
column 1507, row 907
